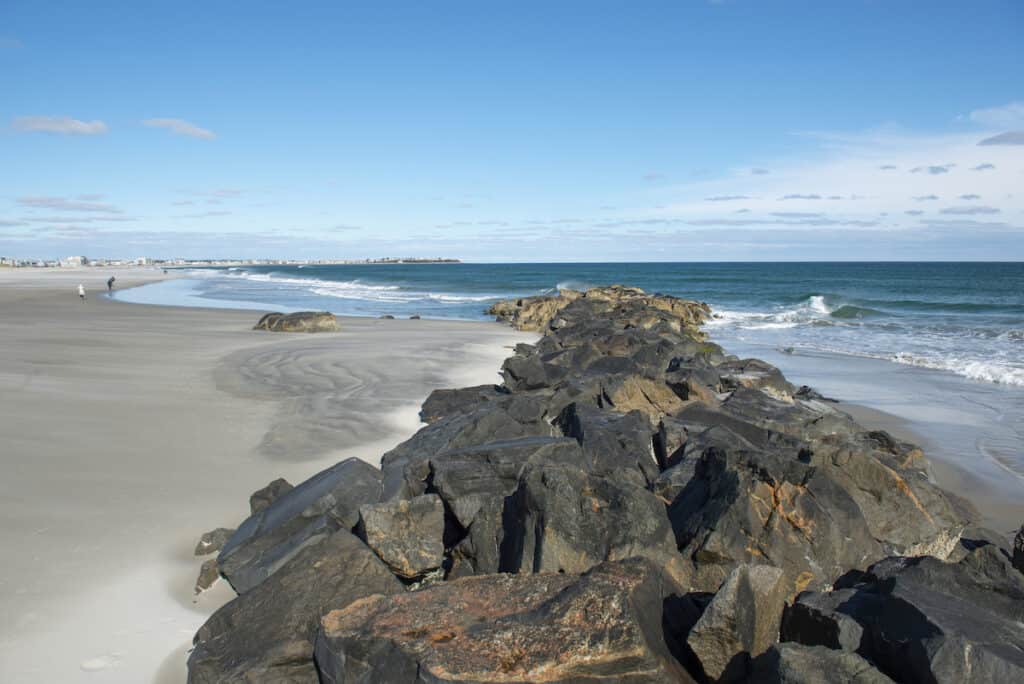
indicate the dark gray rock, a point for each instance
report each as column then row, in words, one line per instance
column 1018, row 550
column 603, row 627
column 267, row 634
column 741, row 622
column 262, row 498
column 405, row 533
column 614, row 444
column 814, row 619
column 562, row 519
column 448, row 402
column 213, row 541
column 797, row 664
column 475, row 482
column 930, row 621
column 302, row 516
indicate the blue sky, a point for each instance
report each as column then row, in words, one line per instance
column 554, row 131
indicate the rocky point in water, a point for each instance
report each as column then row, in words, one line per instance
column 630, row 504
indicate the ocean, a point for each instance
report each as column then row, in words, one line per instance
column 962, row 318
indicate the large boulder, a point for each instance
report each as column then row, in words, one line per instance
column 792, row 663
column 267, row 634
column 741, row 622
column 924, row 620
column 406, row 533
column 302, row 516
column 605, row 626
column 562, row 519
column 300, row 321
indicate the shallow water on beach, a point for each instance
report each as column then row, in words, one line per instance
column 942, row 343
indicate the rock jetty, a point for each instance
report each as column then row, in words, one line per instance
column 631, row 504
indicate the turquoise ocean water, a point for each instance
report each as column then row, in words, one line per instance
column 963, row 318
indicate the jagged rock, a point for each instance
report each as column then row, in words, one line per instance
column 1018, row 550
column 414, row 317
column 746, row 505
column 474, row 483
column 614, row 444
column 406, row 468
column 604, row 626
column 300, row 321
column 815, row 620
column 262, row 498
column 797, row 664
column 302, row 516
column 564, row 520
column 742, row 621
column 406, row 534
column 387, row 317
column 635, row 393
column 208, row 575
column 930, row 621
column 267, row 634
column 213, row 540
column 447, row 402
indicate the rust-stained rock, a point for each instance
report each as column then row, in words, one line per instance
column 604, row 626
column 645, row 310
column 406, row 533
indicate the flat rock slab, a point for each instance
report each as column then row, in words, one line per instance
column 603, row 626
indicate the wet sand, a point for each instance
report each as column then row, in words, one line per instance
column 129, row 430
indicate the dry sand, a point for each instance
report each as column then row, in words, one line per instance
column 129, row 430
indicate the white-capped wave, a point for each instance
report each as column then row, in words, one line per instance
column 812, row 311
column 986, row 371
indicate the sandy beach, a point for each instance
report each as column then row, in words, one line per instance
column 129, row 430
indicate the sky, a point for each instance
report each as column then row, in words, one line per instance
column 690, row 130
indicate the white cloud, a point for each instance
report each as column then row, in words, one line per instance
column 62, row 125
column 180, row 127
column 65, row 204
column 1008, row 116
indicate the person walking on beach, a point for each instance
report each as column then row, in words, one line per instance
column 81, row 291
column 110, row 284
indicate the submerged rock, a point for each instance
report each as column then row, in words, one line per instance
column 262, row 498
column 603, row 626
column 300, row 321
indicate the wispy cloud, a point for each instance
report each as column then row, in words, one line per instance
column 9, row 43
column 913, row 212
column 969, row 211
column 800, row 197
column 180, row 127
column 60, row 125
column 934, row 169
column 760, row 172
column 1008, row 138
column 65, row 204
column 970, row 196
column 1008, row 116
column 206, row 214
column 887, row 167
column 726, row 198
column 984, row 167
column 653, row 176
column 926, row 198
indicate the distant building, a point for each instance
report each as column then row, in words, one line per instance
column 72, row 261
column 143, row 261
